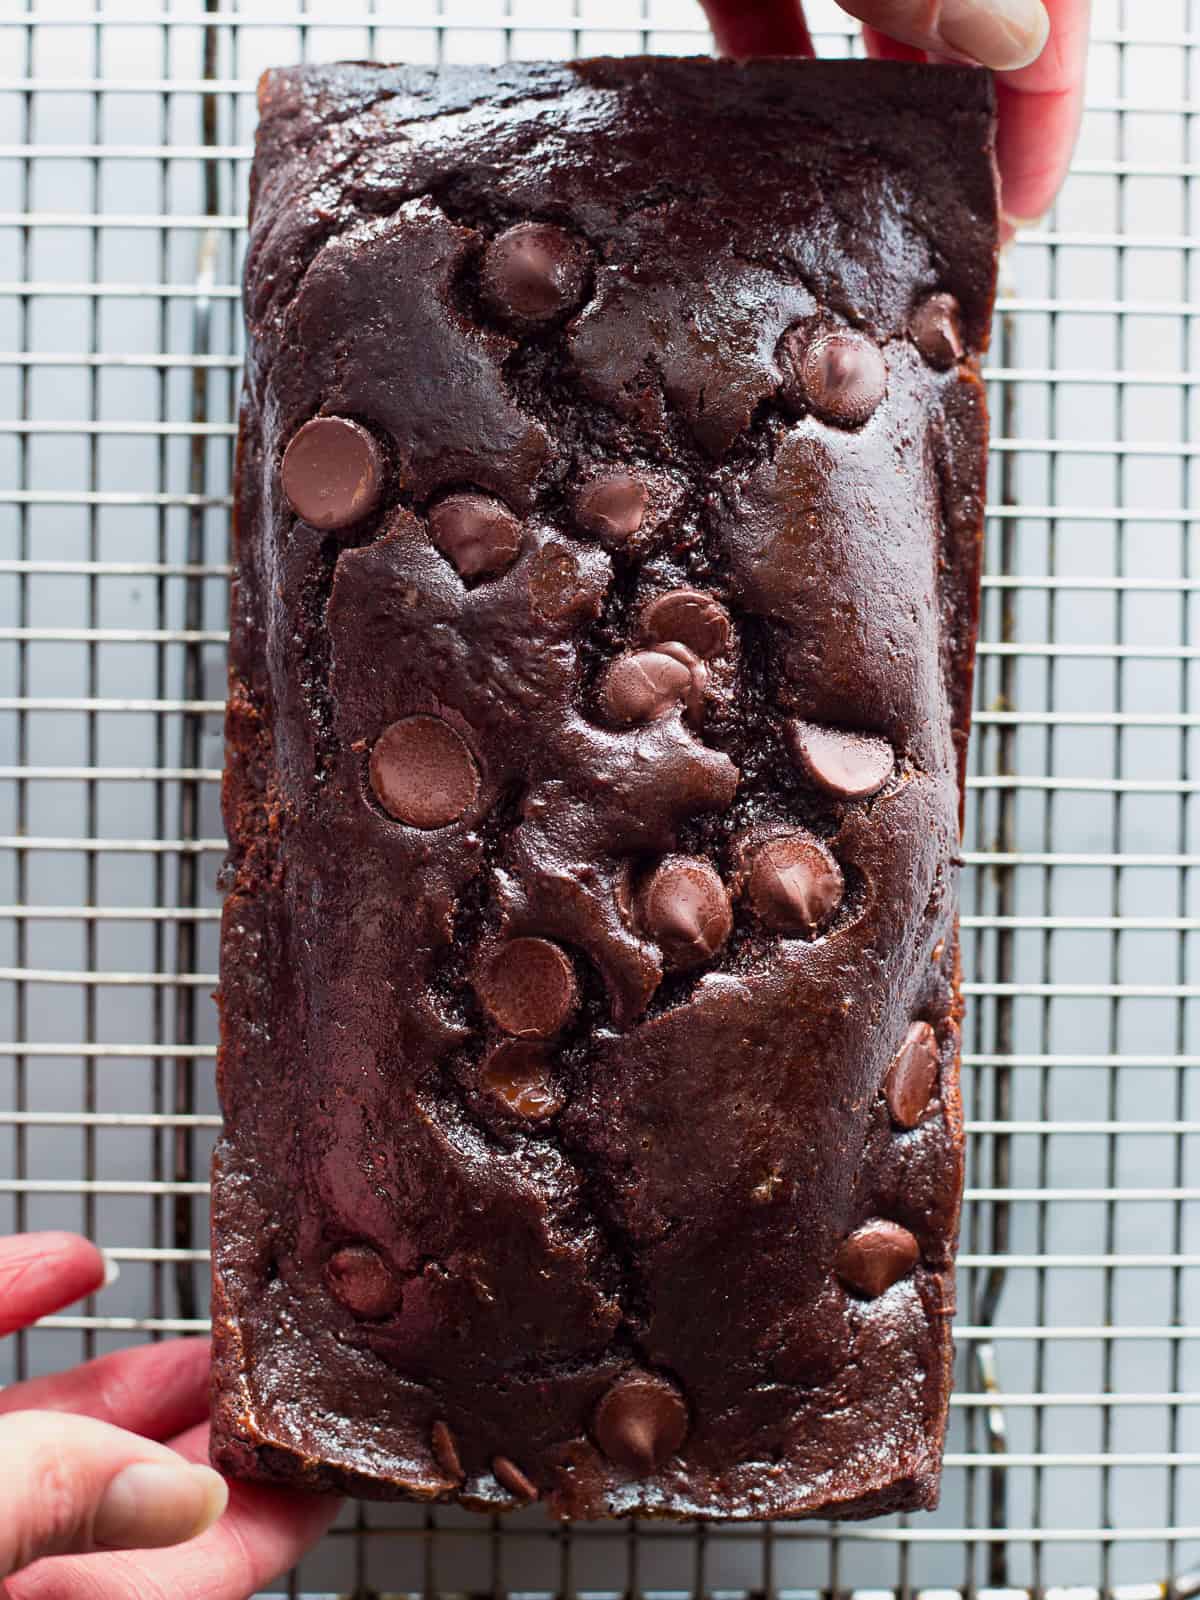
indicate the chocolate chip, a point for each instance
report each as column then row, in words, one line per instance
column 684, row 907
column 937, row 331
column 478, row 534
column 837, row 373
column 849, row 766
column 516, row 1072
column 647, row 684
column 876, row 1256
column 795, row 885
column 533, row 273
column 641, row 1422
column 510, row 1475
column 693, row 700
column 332, row 472
column 612, row 506
column 912, row 1075
column 691, row 618
column 445, row 1452
column 527, row 987
column 422, row 772
column 361, row 1279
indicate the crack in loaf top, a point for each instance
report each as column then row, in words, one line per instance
column 609, row 499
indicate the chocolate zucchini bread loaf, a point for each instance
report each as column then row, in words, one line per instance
column 609, row 506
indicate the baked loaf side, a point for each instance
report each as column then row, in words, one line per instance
column 609, row 506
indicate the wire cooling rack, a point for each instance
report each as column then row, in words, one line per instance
column 1074, row 1453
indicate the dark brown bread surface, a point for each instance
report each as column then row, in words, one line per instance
column 589, row 975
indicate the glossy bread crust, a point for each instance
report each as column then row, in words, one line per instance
column 609, row 506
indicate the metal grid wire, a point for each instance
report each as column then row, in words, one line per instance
column 1074, row 1455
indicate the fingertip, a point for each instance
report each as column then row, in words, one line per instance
column 768, row 28
column 61, row 1247
column 149, row 1504
column 216, row 1498
column 40, row 1272
column 1034, row 140
column 1006, row 35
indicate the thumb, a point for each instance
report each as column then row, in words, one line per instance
column 1004, row 34
column 72, row 1485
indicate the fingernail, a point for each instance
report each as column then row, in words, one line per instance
column 154, row 1503
column 1021, row 224
column 1003, row 34
column 1011, row 226
column 112, row 1271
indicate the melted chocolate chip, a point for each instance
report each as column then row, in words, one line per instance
column 693, row 702
column 516, row 1072
column 647, row 684
column 508, row 1474
column 912, row 1075
column 849, row 766
column 362, row 1281
column 478, row 534
column 422, row 772
column 795, row 885
column 332, row 472
column 612, row 507
column 527, row 987
column 837, row 373
column 690, row 618
column 533, row 273
column 641, row 1422
column 445, row 1452
column 937, row 331
column 876, row 1256
column 684, row 907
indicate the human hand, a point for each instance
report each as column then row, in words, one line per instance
column 1038, row 48
column 84, row 1469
